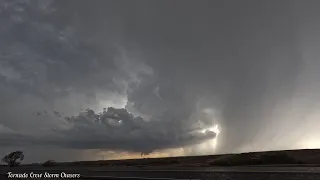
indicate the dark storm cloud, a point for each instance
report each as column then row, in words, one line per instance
column 180, row 65
column 117, row 129
column 242, row 57
column 46, row 58
column 113, row 129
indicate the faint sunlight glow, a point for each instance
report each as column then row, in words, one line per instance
column 214, row 128
column 111, row 100
column 206, row 115
column 208, row 146
column 309, row 139
column 310, row 144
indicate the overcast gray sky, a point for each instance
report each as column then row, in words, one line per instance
column 183, row 77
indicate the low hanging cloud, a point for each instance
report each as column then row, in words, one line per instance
column 114, row 129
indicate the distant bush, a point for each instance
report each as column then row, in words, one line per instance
column 251, row 159
column 49, row 163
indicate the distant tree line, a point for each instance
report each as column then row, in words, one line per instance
column 15, row 159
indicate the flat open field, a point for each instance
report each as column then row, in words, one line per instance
column 308, row 157
column 276, row 165
column 292, row 157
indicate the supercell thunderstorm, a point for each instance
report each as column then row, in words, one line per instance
column 118, row 80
